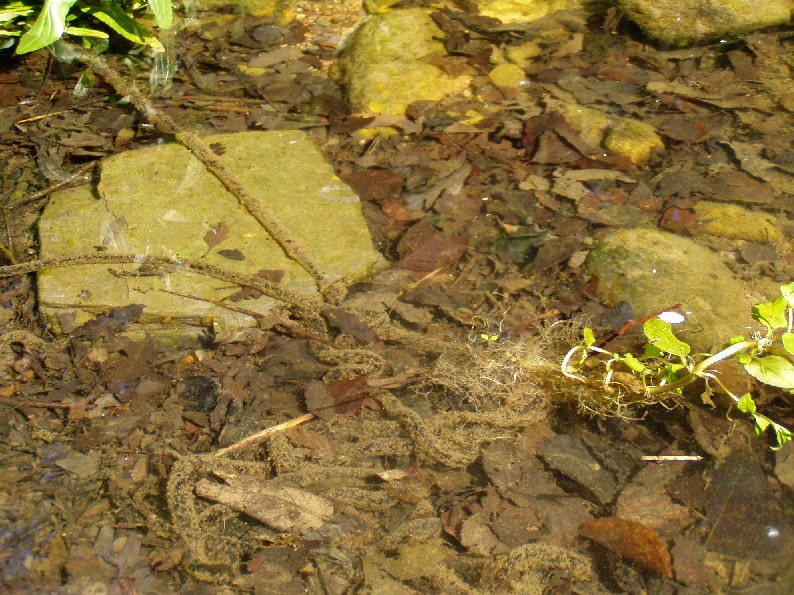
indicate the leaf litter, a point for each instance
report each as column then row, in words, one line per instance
column 477, row 478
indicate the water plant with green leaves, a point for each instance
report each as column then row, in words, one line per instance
column 667, row 365
column 36, row 24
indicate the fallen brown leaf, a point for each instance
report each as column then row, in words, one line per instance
column 282, row 508
column 631, row 539
column 216, row 235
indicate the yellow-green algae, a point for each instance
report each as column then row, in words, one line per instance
column 523, row 11
column 628, row 138
column 383, row 65
column 733, row 221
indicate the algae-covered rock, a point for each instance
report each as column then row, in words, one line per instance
column 379, row 6
column 632, row 139
column 733, row 221
column 508, row 75
column 383, row 64
column 524, row 54
column 684, row 22
column 162, row 201
column 523, row 11
column 623, row 136
column 653, row 269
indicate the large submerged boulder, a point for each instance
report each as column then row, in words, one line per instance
column 652, row 270
column 686, row 22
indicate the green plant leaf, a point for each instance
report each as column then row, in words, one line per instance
column 660, row 335
column 83, row 32
column 772, row 314
column 632, row 363
column 588, row 336
column 123, row 24
column 788, row 342
column 14, row 10
column 782, row 435
column 163, row 14
column 772, row 370
column 47, row 28
column 743, row 358
column 652, row 351
column 746, row 404
column 762, row 422
column 787, row 291
column 675, row 372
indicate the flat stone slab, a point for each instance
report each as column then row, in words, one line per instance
column 161, row 201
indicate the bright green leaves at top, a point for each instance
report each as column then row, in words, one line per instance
column 776, row 314
column 632, row 363
column 788, row 342
column 660, row 335
column 787, row 293
column 12, row 15
column 48, row 27
column 769, row 359
column 119, row 21
column 57, row 17
column 773, row 369
column 746, row 404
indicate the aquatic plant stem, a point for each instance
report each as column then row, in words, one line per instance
column 699, row 371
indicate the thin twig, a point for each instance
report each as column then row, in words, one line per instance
column 219, row 303
column 306, row 307
column 264, row 434
column 20, row 403
column 260, row 212
column 633, row 323
column 76, row 174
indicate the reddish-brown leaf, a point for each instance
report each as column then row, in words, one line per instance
column 344, row 397
column 374, row 185
column 396, row 210
column 351, row 324
column 216, row 235
column 678, row 219
column 459, row 205
column 631, row 539
column 249, row 293
column 434, row 251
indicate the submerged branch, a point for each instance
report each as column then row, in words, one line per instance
column 192, row 142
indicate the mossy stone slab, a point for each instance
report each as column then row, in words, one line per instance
column 161, row 200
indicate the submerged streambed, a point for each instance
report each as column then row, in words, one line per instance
column 424, row 438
